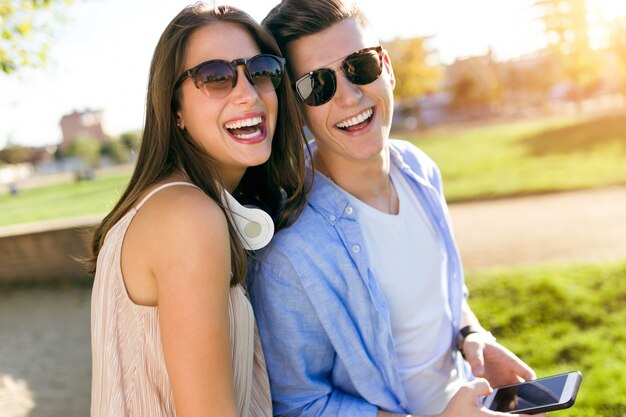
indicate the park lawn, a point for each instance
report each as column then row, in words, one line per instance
column 561, row 318
column 512, row 159
column 67, row 200
column 492, row 161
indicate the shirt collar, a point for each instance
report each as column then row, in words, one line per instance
column 327, row 198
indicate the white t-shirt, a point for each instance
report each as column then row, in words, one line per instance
column 409, row 262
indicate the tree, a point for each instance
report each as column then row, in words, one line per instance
column 132, row 140
column 618, row 48
column 565, row 23
column 15, row 154
column 567, row 31
column 524, row 87
column 86, row 149
column 475, row 85
column 414, row 67
column 25, row 31
column 117, row 151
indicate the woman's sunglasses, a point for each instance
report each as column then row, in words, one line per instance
column 218, row 77
column 361, row 68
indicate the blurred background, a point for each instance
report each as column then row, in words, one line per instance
column 522, row 104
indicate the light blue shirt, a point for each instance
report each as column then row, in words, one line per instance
column 323, row 319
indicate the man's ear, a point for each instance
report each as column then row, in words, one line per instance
column 388, row 68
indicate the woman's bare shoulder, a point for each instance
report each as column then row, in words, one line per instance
column 181, row 222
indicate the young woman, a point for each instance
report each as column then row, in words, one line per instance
column 172, row 331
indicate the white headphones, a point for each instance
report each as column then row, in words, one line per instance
column 254, row 225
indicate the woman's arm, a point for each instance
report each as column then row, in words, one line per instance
column 189, row 257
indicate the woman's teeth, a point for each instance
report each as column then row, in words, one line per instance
column 245, row 128
column 256, row 133
column 244, row 123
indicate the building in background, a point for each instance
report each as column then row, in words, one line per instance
column 88, row 123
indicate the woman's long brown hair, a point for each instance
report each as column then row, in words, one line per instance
column 279, row 185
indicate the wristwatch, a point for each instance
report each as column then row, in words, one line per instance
column 466, row 331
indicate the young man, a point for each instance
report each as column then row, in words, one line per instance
column 360, row 304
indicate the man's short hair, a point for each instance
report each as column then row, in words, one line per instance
column 293, row 19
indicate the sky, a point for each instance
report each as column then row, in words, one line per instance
column 100, row 56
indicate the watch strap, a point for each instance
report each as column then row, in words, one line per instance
column 463, row 333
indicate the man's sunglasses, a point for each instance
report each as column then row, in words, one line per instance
column 361, row 68
column 218, row 77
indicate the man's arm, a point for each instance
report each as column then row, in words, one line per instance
column 488, row 358
column 298, row 352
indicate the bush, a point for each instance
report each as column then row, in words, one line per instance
column 86, row 149
column 559, row 319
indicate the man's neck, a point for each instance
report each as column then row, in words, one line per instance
column 369, row 181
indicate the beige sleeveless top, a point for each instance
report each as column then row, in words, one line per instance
column 129, row 377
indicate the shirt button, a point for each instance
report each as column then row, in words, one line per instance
column 356, row 249
column 348, row 210
column 332, row 217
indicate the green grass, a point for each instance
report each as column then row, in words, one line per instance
column 528, row 157
column 62, row 200
column 559, row 319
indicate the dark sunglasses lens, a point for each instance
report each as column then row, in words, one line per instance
column 216, row 78
column 266, row 72
column 317, row 88
column 363, row 67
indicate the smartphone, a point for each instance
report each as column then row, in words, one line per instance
column 538, row 396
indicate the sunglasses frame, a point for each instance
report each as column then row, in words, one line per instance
column 344, row 62
column 193, row 72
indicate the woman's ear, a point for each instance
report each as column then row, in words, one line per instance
column 387, row 67
column 179, row 121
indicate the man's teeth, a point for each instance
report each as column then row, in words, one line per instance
column 356, row 119
column 244, row 123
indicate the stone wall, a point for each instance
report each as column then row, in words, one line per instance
column 45, row 251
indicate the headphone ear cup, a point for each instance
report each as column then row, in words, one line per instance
column 255, row 226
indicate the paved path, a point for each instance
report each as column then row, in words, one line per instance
column 45, row 352
column 565, row 227
column 44, row 333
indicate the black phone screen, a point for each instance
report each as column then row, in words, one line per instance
column 529, row 394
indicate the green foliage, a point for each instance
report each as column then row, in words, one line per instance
column 413, row 67
column 528, row 157
column 117, row 150
column 132, row 140
column 566, row 28
column 524, row 85
column 474, row 83
column 25, row 34
column 86, row 149
column 559, row 319
column 618, row 47
column 15, row 154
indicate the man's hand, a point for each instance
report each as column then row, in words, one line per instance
column 466, row 402
column 494, row 362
